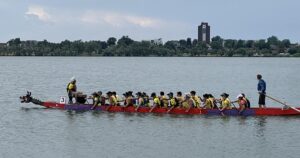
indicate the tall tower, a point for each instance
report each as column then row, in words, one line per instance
column 204, row 32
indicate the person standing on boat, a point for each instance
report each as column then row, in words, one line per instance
column 71, row 88
column 261, row 88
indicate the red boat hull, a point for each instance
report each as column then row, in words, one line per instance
column 272, row 111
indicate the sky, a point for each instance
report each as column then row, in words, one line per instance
column 57, row 20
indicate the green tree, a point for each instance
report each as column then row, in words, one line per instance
column 125, row 40
column 111, row 41
column 217, row 42
column 273, row 40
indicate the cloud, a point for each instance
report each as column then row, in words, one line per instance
column 39, row 12
column 120, row 20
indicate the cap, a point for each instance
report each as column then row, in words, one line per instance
column 187, row 95
column 73, row 78
column 239, row 96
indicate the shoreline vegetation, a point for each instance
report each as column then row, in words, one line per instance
column 125, row 46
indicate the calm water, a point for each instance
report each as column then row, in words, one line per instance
column 27, row 130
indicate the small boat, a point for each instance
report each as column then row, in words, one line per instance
column 269, row 111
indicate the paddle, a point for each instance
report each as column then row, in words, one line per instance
column 170, row 109
column 236, row 108
column 153, row 108
column 283, row 103
column 219, row 101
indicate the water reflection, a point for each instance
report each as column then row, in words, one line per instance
column 260, row 125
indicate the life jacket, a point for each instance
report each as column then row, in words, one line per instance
column 96, row 100
column 164, row 101
column 113, row 100
column 71, row 87
column 226, row 103
column 156, row 101
column 196, row 100
column 186, row 103
column 212, row 102
column 209, row 104
column 130, row 101
column 179, row 100
column 173, row 102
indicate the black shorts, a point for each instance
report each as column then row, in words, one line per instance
column 262, row 99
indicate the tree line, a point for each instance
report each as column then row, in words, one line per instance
column 126, row 46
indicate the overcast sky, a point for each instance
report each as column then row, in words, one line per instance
column 57, row 20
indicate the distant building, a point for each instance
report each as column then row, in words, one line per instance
column 204, row 32
column 157, row 41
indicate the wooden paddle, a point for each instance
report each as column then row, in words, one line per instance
column 236, row 108
column 283, row 103
column 170, row 109
column 153, row 108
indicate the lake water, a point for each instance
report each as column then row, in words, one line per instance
column 28, row 130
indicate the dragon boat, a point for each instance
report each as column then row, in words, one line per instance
column 269, row 111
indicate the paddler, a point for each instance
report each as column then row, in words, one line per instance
column 248, row 105
column 146, row 99
column 188, row 102
column 173, row 102
column 125, row 97
column 129, row 99
column 179, row 99
column 102, row 98
column 207, row 103
column 196, row 99
column 96, row 100
column 156, row 101
column 112, row 99
column 140, row 100
column 163, row 100
column 212, row 99
column 71, row 89
column 225, row 102
column 114, row 93
column 242, row 103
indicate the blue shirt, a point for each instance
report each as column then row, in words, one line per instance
column 261, row 86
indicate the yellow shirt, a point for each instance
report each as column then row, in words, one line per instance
column 173, row 102
column 71, row 86
column 113, row 100
column 226, row 103
column 185, row 104
column 208, row 104
column 156, row 101
column 196, row 101
column 164, row 101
